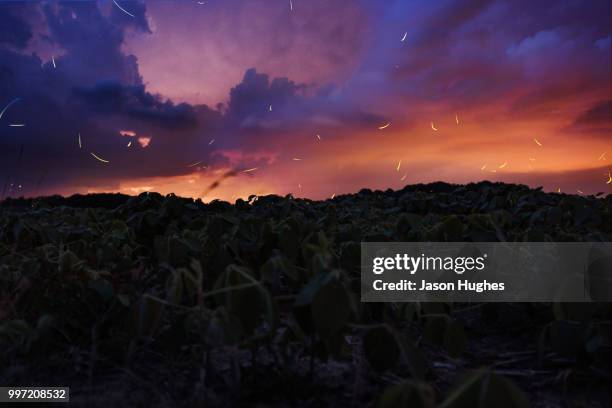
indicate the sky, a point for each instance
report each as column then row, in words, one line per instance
column 226, row 98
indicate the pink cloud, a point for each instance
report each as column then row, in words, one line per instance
column 144, row 141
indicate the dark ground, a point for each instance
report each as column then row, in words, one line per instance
column 163, row 301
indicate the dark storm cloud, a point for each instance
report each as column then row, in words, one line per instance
column 249, row 97
column 89, row 65
column 449, row 18
column 133, row 101
column 600, row 113
column 95, row 90
column 14, row 30
column 258, row 104
column 596, row 120
column 479, row 51
column 92, row 42
column 524, row 56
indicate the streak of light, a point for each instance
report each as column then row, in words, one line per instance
column 8, row 106
column 457, row 118
column 579, row 192
column 603, row 156
column 299, row 186
column 53, row 61
column 386, row 125
column 290, row 5
column 609, row 178
column 195, row 164
column 249, row 170
column 211, row 142
column 319, row 137
column 404, row 176
column 433, row 127
column 270, row 108
column 484, row 166
column 531, row 159
column 558, row 189
column 296, row 159
column 404, row 37
column 399, row 164
column 17, row 125
column 503, row 165
column 122, row 9
column 333, row 195
column 537, row 142
column 80, row 144
column 129, row 144
column 99, row 158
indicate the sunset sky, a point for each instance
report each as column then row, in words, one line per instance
column 310, row 97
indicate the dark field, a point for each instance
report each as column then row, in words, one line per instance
column 163, row 301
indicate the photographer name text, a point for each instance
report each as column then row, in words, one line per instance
column 414, row 264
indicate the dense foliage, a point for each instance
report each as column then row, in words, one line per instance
column 165, row 301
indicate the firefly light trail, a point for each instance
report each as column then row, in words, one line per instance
column 122, row 9
column 99, row 158
column 195, row 164
column 8, row 106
